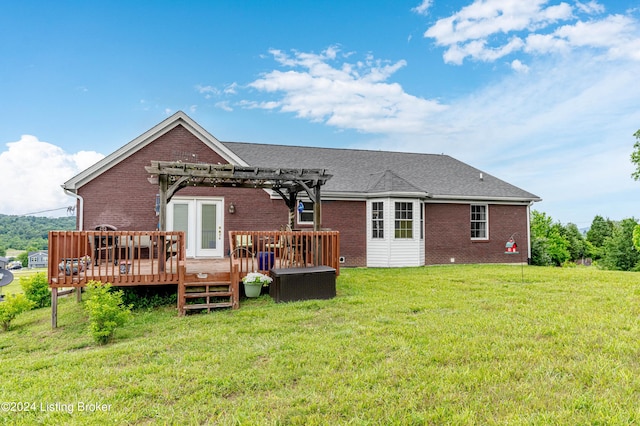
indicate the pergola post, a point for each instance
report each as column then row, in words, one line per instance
column 317, row 209
column 163, row 187
column 292, row 202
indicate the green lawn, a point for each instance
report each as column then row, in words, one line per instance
column 14, row 287
column 437, row 345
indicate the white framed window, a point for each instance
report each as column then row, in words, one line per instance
column 479, row 222
column 403, row 219
column 306, row 215
column 377, row 219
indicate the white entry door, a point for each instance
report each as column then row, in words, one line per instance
column 202, row 221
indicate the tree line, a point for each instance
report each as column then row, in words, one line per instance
column 613, row 245
column 610, row 244
column 30, row 232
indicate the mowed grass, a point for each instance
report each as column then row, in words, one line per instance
column 435, row 345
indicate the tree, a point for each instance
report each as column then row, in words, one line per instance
column 620, row 253
column 578, row 247
column 548, row 246
column 600, row 230
column 635, row 156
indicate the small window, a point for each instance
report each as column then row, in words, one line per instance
column 479, row 222
column 377, row 219
column 404, row 220
column 306, row 215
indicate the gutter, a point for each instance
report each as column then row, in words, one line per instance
column 529, row 232
column 80, row 208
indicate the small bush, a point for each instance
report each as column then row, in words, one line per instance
column 12, row 307
column 36, row 289
column 106, row 311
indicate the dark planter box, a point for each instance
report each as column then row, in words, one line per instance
column 318, row 282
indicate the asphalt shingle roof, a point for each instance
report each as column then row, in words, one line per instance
column 368, row 172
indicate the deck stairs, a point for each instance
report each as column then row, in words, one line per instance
column 205, row 292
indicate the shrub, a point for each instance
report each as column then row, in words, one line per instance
column 12, row 307
column 149, row 297
column 106, row 311
column 36, row 289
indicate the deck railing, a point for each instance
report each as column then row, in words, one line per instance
column 263, row 250
column 123, row 258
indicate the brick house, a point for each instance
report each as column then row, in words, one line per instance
column 391, row 208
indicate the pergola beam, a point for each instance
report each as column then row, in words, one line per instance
column 173, row 176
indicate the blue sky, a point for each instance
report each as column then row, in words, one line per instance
column 543, row 94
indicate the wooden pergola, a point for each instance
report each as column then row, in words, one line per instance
column 288, row 183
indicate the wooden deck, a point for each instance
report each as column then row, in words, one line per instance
column 135, row 258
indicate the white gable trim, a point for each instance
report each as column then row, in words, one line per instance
column 179, row 118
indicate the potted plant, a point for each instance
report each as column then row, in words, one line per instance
column 253, row 283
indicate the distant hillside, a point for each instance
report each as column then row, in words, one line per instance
column 23, row 232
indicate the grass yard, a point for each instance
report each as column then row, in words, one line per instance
column 437, row 345
column 14, row 287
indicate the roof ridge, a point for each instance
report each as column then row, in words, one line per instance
column 381, row 151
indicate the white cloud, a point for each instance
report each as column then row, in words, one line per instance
column 31, row 171
column 479, row 31
column 518, row 66
column 617, row 35
column 357, row 95
column 207, row 91
column 224, row 105
column 484, row 18
column 593, row 7
column 423, row 8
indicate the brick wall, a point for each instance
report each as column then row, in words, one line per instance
column 448, row 234
column 123, row 197
column 348, row 217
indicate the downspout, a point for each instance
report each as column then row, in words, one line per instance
column 80, row 207
column 529, row 232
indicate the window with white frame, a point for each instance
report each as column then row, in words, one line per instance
column 479, row 222
column 306, row 215
column 404, row 220
column 377, row 219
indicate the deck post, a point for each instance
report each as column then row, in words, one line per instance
column 54, row 307
column 79, row 294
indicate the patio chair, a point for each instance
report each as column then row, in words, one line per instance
column 107, row 243
column 244, row 242
column 136, row 243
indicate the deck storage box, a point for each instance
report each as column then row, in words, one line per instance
column 317, row 282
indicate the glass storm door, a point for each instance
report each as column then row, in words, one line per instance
column 201, row 220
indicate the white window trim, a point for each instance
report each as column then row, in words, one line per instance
column 486, row 209
column 298, row 214
column 413, row 220
column 383, row 220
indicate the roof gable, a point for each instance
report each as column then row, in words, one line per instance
column 389, row 181
column 177, row 119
